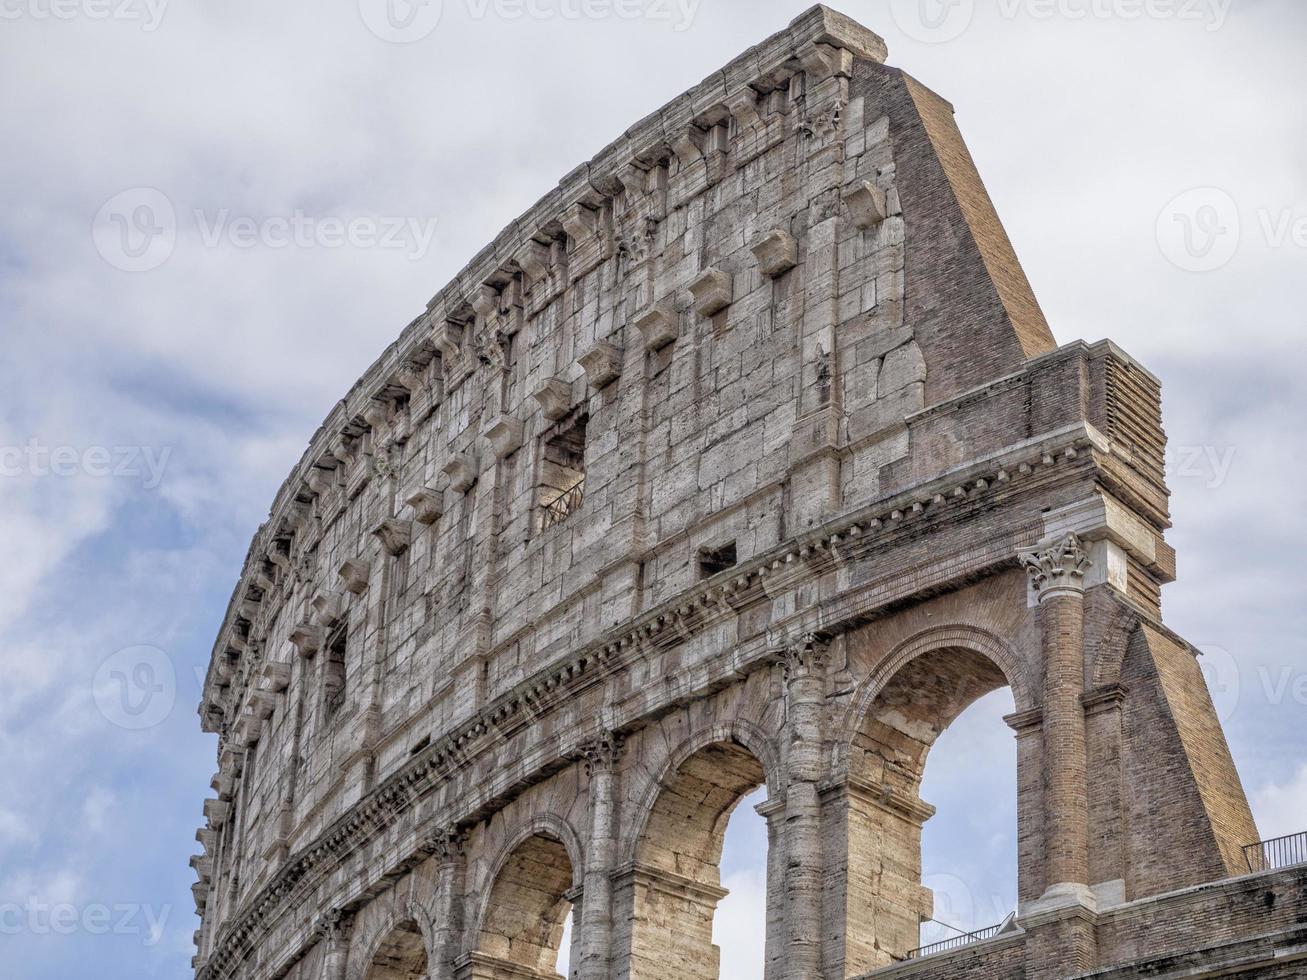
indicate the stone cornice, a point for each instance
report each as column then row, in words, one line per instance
column 852, row 536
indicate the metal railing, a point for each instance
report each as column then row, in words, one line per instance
column 1272, row 855
column 958, row 941
column 562, row 507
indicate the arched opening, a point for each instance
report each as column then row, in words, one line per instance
column 888, row 901
column 402, row 955
column 969, row 851
column 676, row 883
column 522, row 931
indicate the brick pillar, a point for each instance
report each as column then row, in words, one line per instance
column 1057, row 574
column 333, row 930
column 1060, row 925
column 805, row 670
column 447, row 922
column 595, row 924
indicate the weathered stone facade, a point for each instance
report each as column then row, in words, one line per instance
column 745, row 458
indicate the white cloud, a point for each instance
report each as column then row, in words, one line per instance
column 1281, row 808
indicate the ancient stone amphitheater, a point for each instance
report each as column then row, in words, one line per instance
column 744, row 458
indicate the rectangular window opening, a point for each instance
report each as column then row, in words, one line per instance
column 333, row 682
column 562, row 476
column 714, row 560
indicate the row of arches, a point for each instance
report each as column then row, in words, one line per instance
column 667, row 877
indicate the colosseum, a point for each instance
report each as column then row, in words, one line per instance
column 745, row 458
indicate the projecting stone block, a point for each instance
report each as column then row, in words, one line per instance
column 505, row 436
column 866, row 203
column 555, row 398
column 777, row 253
column 462, row 472
column 602, row 364
column 428, row 505
column 395, row 535
column 354, row 573
column 713, row 291
column 658, row 325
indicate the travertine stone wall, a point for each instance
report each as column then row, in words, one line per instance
column 717, row 469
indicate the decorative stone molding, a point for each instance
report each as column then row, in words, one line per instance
column 485, row 302
column 743, row 105
column 505, row 436
column 713, row 291
column 555, row 398
column 602, row 364
column 866, row 203
column 354, row 572
column 603, row 752
column 581, row 223
column 395, row 535
column 447, row 844
column 448, row 338
column 462, row 472
column 658, row 325
column 777, row 252
column 822, row 61
column 688, row 146
column 533, row 257
column 216, row 812
column 806, row 658
column 1057, row 568
column 334, row 927
column 428, row 505
column 376, row 416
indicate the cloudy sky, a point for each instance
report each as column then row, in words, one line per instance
column 321, row 172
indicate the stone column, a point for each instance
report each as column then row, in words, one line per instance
column 1057, row 573
column 447, row 924
column 333, row 931
column 805, row 696
column 595, row 924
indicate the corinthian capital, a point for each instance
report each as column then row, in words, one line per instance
column 446, row 844
column 334, row 926
column 603, row 752
column 1059, row 567
column 806, row 658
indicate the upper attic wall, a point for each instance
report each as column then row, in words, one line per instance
column 968, row 301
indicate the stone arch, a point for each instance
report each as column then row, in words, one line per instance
column 748, row 735
column 898, row 712
column 397, row 950
column 528, row 894
column 671, row 882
